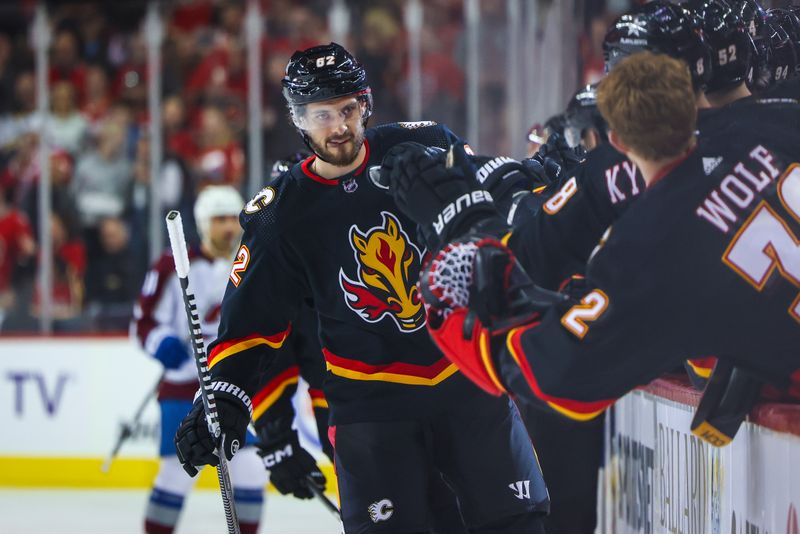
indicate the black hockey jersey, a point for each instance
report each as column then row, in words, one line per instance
column 707, row 261
column 561, row 235
column 342, row 247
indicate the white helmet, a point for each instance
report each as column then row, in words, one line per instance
column 215, row 201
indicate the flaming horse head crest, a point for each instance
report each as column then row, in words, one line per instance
column 385, row 284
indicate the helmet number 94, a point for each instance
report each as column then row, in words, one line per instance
column 727, row 55
column 325, row 60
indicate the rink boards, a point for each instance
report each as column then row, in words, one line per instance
column 661, row 478
column 63, row 402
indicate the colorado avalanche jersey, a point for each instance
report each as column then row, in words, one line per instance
column 159, row 313
column 344, row 248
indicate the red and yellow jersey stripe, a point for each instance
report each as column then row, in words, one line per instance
column 274, row 390
column 231, row 347
column 397, row 372
column 574, row 409
column 702, row 367
column 318, row 399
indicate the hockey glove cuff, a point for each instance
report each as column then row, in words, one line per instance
column 291, row 467
column 194, row 443
column 474, row 290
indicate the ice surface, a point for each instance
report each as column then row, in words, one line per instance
column 24, row 511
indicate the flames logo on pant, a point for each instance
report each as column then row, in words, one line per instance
column 385, row 285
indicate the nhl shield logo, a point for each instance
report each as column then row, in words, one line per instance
column 388, row 264
column 350, row 185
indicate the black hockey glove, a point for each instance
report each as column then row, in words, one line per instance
column 193, row 442
column 437, row 191
column 291, row 467
column 506, row 178
column 557, row 158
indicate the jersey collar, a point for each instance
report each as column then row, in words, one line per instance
column 671, row 166
column 306, row 166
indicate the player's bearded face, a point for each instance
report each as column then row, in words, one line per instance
column 336, row 130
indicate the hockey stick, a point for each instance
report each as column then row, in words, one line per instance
column 127, row 428
column 318, row 493
column 323, row 498
column 181, row 257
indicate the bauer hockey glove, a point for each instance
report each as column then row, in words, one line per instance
column 437, row 191
column 171, row 352
column 291, row 467
column 193, row 442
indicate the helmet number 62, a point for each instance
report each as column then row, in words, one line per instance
column 325, row 60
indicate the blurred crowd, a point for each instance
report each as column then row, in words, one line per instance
column 97, row 126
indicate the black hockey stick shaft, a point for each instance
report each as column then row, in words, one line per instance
column 127, row 428
column 181, row 257
column 319, row 494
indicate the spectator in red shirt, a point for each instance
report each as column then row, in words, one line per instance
column 16, row 245
column 69, row 267
column 220, row 159
column 98, row 97
column 177, row 137
column 221, row 80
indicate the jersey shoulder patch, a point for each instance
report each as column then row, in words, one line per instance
column 266, row 212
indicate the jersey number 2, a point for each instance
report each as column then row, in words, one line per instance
column 240, row 265
column 591, row 307
column 765, row 242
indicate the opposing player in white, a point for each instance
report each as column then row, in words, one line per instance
column 161, row 328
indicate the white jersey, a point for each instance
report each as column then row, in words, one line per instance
column 159, row 313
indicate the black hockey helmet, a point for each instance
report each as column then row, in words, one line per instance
column 776, row 57
column 752, row 14
column 323, row 73
column 582, row 114
column 660, row 27
column 732, row 47
column 788, row 20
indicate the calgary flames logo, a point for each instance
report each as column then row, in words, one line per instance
column 388, row 263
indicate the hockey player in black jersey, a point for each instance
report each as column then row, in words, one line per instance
column 323, row 235
column 705, row 262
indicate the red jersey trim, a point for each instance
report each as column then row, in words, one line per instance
column 177, row 391
column 670, row 167
column 398, row 372
column 235, row 346
column 580, row 410
column 270, row 393
column 306, row 167
column 703, row 367
column 318, row 399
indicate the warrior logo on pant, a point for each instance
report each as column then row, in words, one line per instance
column 522, row 488
column 381, row 510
